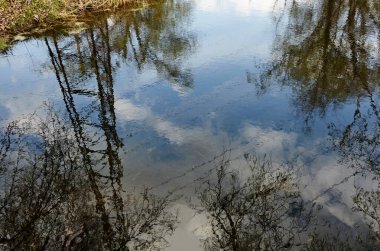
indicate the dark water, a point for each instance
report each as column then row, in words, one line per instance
column 162, row 97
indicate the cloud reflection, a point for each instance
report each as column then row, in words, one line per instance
column 242, row 7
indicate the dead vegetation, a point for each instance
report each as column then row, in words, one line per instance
column 23, row 15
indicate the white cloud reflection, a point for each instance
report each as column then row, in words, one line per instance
column 242, row 7
column 322, row 173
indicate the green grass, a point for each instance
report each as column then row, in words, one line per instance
column 3, row 44
column 35, row 13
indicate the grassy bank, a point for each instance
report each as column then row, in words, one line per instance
column 18, row 16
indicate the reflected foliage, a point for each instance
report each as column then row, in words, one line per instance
column 328, row 52
column 61, row 171
column 155, row 37
column 329, row 55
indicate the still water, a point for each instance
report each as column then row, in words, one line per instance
column 164, row 97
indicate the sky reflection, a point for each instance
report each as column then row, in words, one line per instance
column 183, row 83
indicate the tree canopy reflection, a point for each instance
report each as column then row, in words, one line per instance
column 157, row 36
column 61, row 171
column 327, row 52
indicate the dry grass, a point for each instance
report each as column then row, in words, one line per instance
column 22, row 15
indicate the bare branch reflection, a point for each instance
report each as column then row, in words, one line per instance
column 257, row 209
column 62, row 171
column 54, row 197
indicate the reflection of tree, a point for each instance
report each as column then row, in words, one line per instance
column 62, row 176
column 162, row 39
column 263, row 211
column 368, row 203
column 329, row 243
column 156, row 36
column 53, row 196
column 34, row 183
column 359, row 141
column 327, row 52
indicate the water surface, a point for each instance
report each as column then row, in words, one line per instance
column 166, row 89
